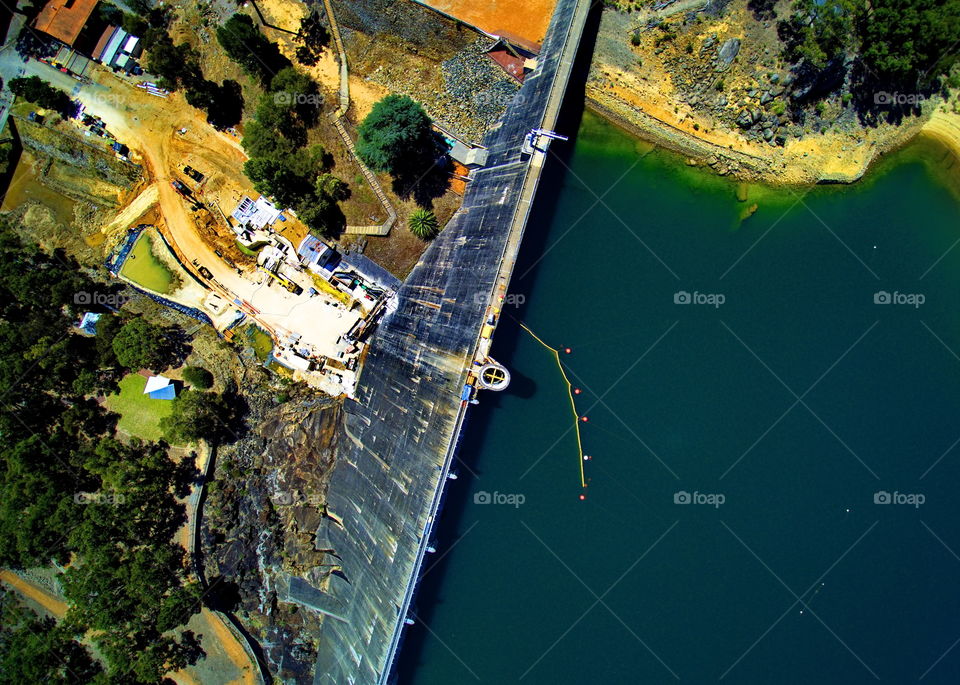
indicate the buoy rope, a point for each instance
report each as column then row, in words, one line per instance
column 573, row 405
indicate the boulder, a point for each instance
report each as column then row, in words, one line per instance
column 727, row 53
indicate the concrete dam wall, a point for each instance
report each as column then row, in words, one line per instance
column 399, row 437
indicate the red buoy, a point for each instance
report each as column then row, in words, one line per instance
column 583, row 497
column 567, row 350
column 576, row 391
column 584, row 419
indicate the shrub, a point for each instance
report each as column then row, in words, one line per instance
column 423, row 224
column 198, row 377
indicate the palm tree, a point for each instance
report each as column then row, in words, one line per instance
column 423, row 224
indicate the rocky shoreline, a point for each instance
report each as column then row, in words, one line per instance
column 773, row 168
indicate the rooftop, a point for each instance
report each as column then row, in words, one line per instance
column 64, row 19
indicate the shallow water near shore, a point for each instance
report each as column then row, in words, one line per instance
column 782, row 402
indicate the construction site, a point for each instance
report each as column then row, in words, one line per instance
column 181, row 223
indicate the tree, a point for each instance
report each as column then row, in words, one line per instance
column 321, row 211
column 292, row 105
column 198, row 415
column 423, row 224
column 175, row 65
column 247, row 46
column 198, row 377
column 262, row 141
column 139, row 344
column 222, row 103
column 40, row 92
column 396, row 135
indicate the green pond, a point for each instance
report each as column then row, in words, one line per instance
column 773, row 424
column 143, row 267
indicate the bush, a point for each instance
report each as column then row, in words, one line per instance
column 198, row 377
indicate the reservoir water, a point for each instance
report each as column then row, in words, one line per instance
column 773, row 409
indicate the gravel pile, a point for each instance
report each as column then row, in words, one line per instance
column 472, row 77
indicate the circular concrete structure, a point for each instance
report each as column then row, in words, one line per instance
column 493, row 376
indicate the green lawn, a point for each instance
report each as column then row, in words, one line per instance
column 143, row 267
column 139, row 414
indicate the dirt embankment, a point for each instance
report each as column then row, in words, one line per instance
column 708, row 81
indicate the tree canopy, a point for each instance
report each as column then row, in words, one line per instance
column 197, row 415
column 72, row 493
column 198, row 377
column 902, row 43
column 140, row 344
column 38, row 91
column 247, row 46
column 396, row 135
column 283, row 165
column 397, row 138
column 910, row 41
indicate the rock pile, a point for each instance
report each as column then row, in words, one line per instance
column 473, row 95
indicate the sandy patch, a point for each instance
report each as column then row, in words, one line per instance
column 139, row 206
column 945, row 127
column 526, row 18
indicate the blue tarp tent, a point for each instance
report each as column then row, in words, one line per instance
column 160, row 388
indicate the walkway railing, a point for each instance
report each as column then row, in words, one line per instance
column 338, row 116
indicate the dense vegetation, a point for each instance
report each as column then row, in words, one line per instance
column 244, row 44
column 71, row 493
column 283, row 165
column 893, row 45
column 198, row 377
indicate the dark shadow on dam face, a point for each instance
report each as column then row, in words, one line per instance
column 508, row 334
